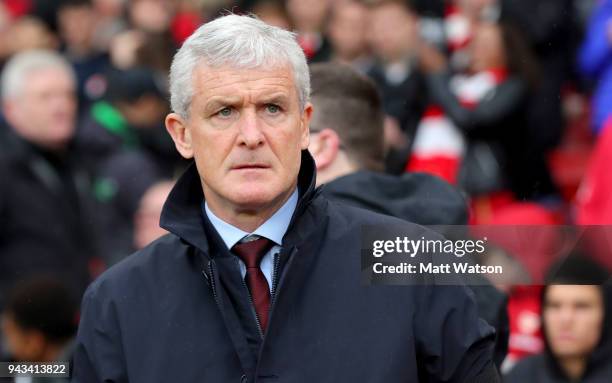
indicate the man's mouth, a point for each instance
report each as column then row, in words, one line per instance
column 250, row 166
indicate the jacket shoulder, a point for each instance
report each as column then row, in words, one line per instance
column 161, row 259
column 526, row 370
column 348, row 218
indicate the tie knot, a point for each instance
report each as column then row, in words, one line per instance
column 252, row 252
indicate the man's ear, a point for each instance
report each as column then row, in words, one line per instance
column 10, row 111
column 180, row 133
column 305, row 126
column 325, row 147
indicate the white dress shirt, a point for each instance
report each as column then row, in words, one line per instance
column 273, row 229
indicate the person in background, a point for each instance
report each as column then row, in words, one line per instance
column 347, row 146
column 21, row 31
column 109, row 23
column 473, row 132
column 577, row 321
column 28, row 33
column 45, row 200
column 154, row 35
column 39, row 323
column 153, row 16
column 129, row 116
column 347, row 30
column 393, row 37
column 146, row 219
column 460, row 19
column 272, row 12
column 309, row 19
column 77, row 26
column 126, row 150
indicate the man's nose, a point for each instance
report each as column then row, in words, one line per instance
column 250, row 134
column 567, row 316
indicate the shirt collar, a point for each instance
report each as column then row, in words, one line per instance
column 273, row 229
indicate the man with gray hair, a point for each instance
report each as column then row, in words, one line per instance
column 44, row 218
column 259, row 278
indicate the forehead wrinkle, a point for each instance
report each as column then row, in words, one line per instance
column 236, row 83
column 274, row 97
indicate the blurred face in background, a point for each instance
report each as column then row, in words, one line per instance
column 151, row 15
column 393, row 31
column 487, row 48
column 348, row 28
column 272, row 13
column 109, row 8
column 77, row 25
column 573, row 319
column 474, row 9
column 5, row 21
column 29, row 33
column 308, row 15
column 43, row 111
column 146, row 220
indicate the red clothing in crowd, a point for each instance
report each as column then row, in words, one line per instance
column 593, row 202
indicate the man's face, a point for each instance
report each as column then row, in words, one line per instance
column 348, row 29
column 246, row 131
column 487, row 48
column 573, row 319
column 76, row 24
column 146, row 219
column 393, row 31
column 308, row 15
column 44, row 110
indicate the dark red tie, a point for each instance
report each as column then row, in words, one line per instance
column 251, row 253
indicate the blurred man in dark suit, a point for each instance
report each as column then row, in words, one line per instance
column 45, row 224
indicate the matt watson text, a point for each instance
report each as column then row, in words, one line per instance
column 430, row 268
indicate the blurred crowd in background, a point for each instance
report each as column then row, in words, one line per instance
column 508, row 100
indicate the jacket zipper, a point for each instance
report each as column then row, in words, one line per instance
column 210, row 279
column 213, row 287
column 252, row 305
column 276, row 281
column 275, row 277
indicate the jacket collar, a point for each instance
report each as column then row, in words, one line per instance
column 182, row 213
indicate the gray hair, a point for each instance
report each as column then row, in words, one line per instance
column 243, row 42
column 22, row 64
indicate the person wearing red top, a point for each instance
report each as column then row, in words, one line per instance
column 472, row 134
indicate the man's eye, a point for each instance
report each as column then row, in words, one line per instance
column 273, row 109
column 225, row 112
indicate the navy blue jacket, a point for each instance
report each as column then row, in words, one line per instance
column 45, row 217
column 178, row 311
